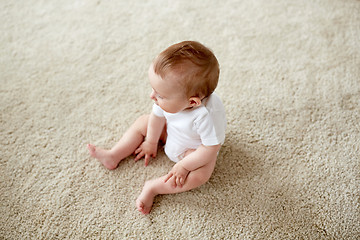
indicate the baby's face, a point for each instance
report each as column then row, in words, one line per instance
column 167, row 93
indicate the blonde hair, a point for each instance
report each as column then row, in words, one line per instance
column 196, row 66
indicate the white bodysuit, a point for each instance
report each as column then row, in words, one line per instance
column 190, row 128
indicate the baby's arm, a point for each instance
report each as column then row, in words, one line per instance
column 149, row 147
column 197, row 159
column 200, row 157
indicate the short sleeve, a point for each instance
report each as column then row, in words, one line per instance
column 207, row 131
column 157, row 110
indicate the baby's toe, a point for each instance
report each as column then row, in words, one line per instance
column 139, row 205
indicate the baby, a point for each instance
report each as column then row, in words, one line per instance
column 187, row 117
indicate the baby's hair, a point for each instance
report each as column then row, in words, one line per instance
column 195, row 64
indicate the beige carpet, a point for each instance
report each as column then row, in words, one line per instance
column 74, row 72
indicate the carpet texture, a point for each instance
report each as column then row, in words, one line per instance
column 75, row 72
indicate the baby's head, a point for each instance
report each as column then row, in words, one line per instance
column 193, row 65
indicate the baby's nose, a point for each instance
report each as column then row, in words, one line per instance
column 152, row 95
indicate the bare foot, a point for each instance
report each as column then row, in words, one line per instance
column 104, row 156
column 146, row 199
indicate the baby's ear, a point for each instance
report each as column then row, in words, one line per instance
column 195, row 101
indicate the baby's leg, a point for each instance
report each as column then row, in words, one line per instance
column 129, row 142
column 157, row 186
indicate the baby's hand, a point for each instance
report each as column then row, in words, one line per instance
column 146, row 149
column 177, row 175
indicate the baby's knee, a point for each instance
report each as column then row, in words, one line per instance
column 203, row 174
column 141, row 123
column 142, row 119
column 201, row 178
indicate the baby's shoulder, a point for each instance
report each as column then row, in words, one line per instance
column 200, row 113
column 214, row 104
